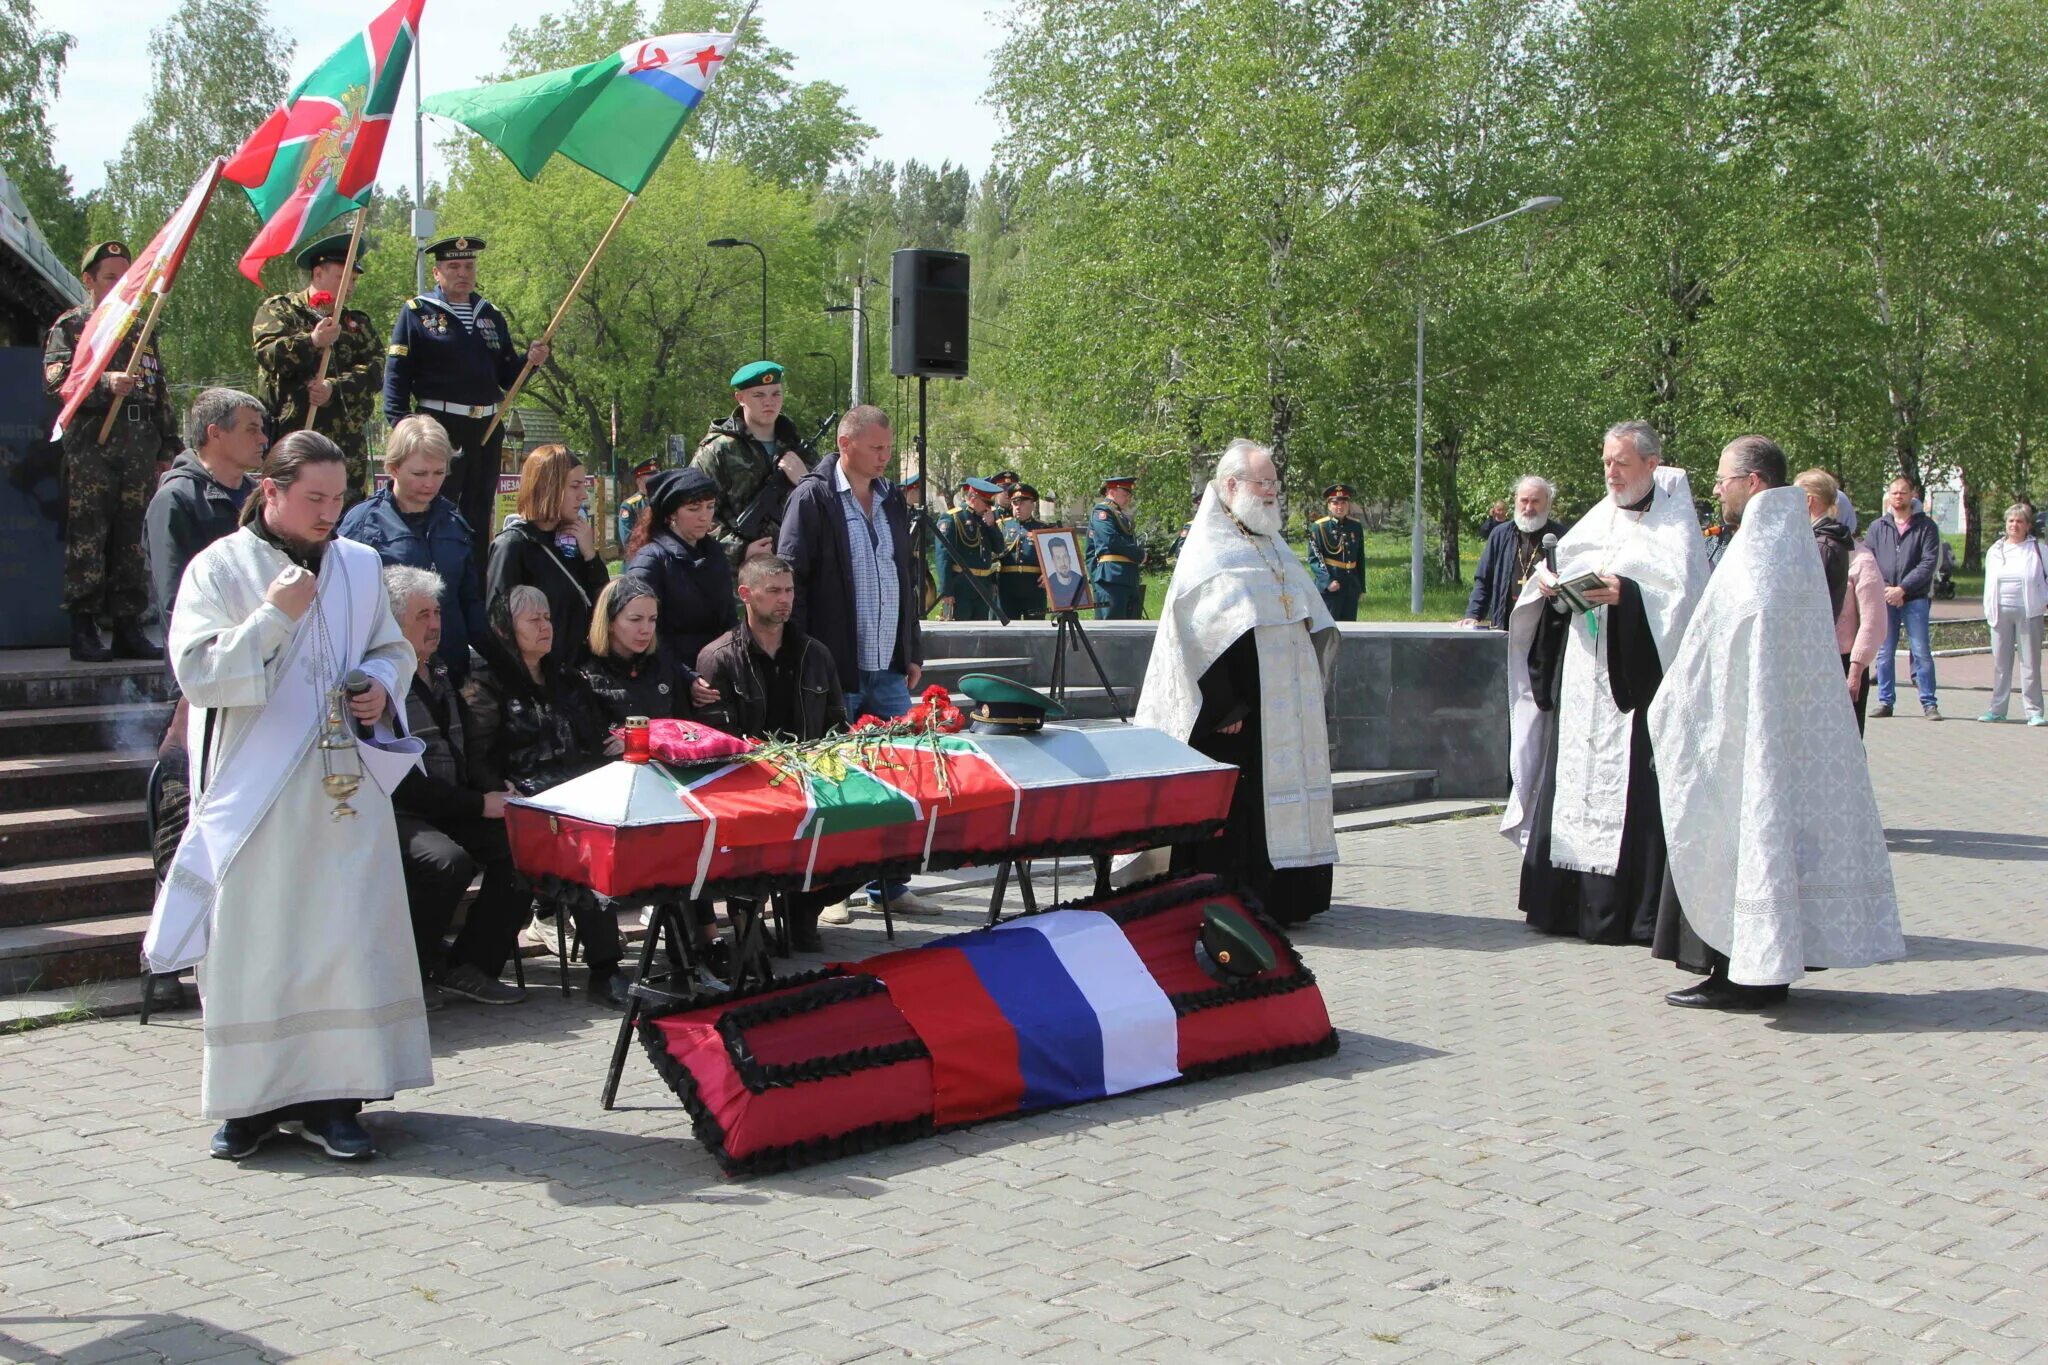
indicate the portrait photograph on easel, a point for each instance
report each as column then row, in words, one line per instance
column 1059, row 557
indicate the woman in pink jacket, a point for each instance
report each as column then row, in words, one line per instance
column 1859, row 625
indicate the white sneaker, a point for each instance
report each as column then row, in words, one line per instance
column 543, row 932
column 842, row 914
column 910, row 903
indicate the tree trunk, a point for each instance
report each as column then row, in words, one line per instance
column 1448, row 449
column 1973, row 523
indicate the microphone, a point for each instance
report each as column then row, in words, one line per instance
column 355, row 685
column 1549, row 544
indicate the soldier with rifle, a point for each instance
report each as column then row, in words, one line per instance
column 755, row 457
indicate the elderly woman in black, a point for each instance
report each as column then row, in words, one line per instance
column 675, row 553
column 534, row 723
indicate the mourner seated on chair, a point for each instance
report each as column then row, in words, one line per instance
column 447, row 829
column 534, row 723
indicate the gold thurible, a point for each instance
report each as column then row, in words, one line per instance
column 341, row 765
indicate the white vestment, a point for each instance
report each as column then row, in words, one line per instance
column 1226, row 582
column 1660, row 550
column 310, row 981
column 1776, row 846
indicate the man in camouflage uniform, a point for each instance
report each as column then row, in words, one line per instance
column 107, row 487
column 755, row 457
column 291, row 333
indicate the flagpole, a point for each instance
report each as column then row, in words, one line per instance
column 348, row 276
column 505, row 403
column 134, row 362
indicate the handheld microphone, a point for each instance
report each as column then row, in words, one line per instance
column 355, row 685
column 1549, row 544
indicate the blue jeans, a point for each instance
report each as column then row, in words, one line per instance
column 887, row 695
column 1914, row 616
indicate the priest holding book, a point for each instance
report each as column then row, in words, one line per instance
column 1588, row 643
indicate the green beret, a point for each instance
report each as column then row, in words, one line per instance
column 755, row 375
column 333, row 249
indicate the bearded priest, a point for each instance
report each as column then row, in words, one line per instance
column 287, row 882
column 1587, row 648
column 1238, row 670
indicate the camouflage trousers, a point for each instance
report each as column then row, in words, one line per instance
column 357, row 463
column 106, row 491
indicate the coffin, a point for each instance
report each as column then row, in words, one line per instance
column 739, row 826
column 1099, row 998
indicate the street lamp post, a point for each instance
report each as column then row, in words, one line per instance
column 860, row 324
column 832, row 360
column 724, row 242
column 1536, row 205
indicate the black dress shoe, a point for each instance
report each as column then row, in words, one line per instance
column 341, row 1136
column 87, row 646
column 131, row 643
column 166, row 992
column 238, row 1138
column 804, row 938
column 611, row 989
column 1719, row 993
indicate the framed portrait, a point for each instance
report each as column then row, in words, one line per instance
column 1062, row 569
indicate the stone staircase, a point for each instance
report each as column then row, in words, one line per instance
column 76, row 745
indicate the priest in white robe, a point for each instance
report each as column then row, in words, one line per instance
column 1238, row 671
column 1777, row 852
column 1583, row 665
column 296, row 916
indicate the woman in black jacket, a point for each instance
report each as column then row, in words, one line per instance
column 683, row 563
column 628, row 670
column 532, row 724
column 550, row 546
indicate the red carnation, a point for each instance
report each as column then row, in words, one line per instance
column 321, row 298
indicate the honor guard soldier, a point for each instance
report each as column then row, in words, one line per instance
column 452, row 357
column 920, row 540
column 1336, row 554
column 967, row 546
column 1019, row 590
column 630, row 508
column 1173, row 555
column 107, row 487
column 292, row 331
column 1115, row 558
column 756, row 457
column 1006, row 480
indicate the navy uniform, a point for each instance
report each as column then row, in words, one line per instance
column 454, row 362
column 282, row 334
column 1020, row 592
column 630, row 508
column 964, row 559
column 107, row 486
column 1115, row 558
column 1336, row 555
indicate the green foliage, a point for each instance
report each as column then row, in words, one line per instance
column 218, row 69
column 31, row 65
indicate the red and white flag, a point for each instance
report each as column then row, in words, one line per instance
column 150, row 275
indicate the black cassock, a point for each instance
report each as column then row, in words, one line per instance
column 1230, row 693
column 1599, row 908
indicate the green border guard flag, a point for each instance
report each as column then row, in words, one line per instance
column 616, row 117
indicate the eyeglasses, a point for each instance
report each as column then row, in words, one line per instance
column 1262, row 485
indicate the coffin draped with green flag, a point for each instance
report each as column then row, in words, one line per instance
column 617, row 116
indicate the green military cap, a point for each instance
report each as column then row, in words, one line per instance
column 1231, row 948
column 1004, row 707
column 1006, row 477
column 988, row 486
column 1126, row 480
column 1334, row 489
column 455, row 248
column 333, row 249
column 755, row 375
column 100, row 251
column 647, row 466
column 1024, row 490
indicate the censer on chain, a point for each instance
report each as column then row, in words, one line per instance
column 341, row 764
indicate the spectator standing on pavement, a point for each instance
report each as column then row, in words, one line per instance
column 846, row 538
column 411, row 521
column 1859, row 615
column 2015, row 597
column 1907, row 545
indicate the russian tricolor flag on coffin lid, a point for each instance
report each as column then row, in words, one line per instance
column 1045, row 1010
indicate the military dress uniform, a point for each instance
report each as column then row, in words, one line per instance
column 285, row 354
column 455, row 373
column 107, row 487
column 920, row 545
column 1022, row 595
column 965, row 557
column 1115, row 560
column 1336, row 560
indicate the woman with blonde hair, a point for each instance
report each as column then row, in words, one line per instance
column 2015, row 599
column 550, row 545
column 409, row 522
column 628, row 669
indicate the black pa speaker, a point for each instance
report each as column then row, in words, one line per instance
column 928, row 313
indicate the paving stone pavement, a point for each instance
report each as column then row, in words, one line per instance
column 1519, row 1153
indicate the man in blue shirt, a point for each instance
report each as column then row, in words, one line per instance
column 1907, row 546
